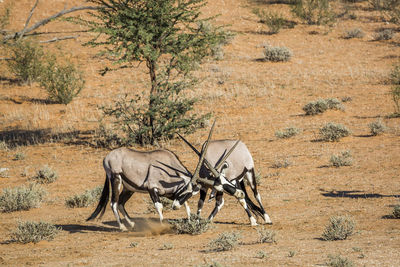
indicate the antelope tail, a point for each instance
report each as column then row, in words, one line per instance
column 101, row 207
column 250, row 204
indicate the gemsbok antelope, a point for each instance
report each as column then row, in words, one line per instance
column 159, row 173
column 217, row 166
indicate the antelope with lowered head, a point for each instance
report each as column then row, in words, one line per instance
column 229, row 171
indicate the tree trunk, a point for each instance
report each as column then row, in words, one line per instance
column 153, row 92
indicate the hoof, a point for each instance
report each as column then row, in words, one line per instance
column 253, row 221
column 267, row 219
column 123, row 228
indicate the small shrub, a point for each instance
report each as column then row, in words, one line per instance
column 167, row 246
column 265, row 235
column 344, row 159
column 62, row 83
column 262, row 255
column 321, row 105
column 45, row 175
column 274, row 21
column 314, row 11
column 28, row 231
column 333, row 132
column 339, row 228
column 396, row 211
column 26, row 61
column 354, row 33
column 291, row 253
column 395, row 75
column 395, row 92
column 377, row 127
column 225, row 241
column 21, row 198
column 4, row 173
column 85, row 199
column 195, row 226
column 19, row 156
column 386, row 34
column 338, row 261
column 287, row 132
column 3, row 146
column 133, row 244
column 276, row 54
column 281, row 164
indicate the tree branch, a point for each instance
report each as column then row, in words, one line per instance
column 28, row 19
column 46, row 20
column 56, row 39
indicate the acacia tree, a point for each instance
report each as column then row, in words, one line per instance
column 172, row 40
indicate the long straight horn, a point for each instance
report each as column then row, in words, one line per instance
column 227, row 155
column 203, row 154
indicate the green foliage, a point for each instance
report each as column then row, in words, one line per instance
column 333, row 132
column 4, row 19
column 339, row 228
column 62, row 82
column 395, row 92
column 85, row 199
column 194, row 226
column 344, row 159
column 321, row 105
column 314, row 11
column 386, row 34
column 19, row 156
column 395, row 75
column 262, row 255
column 377, row 127
column 287, row 132
column 278, row 164
column 266, row 235
column 30, row 231
column 21, row 198
column 396, row 211
column 167, row 246
column 45, row 175
column 277, row 54
column 26, row 61
column 225, row 241
column 274, row 21
column 354, row 33
column 338, row 261
column 172, row 39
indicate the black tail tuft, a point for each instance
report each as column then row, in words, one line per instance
column 101, row 207
column 252, row 207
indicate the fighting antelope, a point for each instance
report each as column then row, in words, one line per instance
column 159, row 172
column 233, row 169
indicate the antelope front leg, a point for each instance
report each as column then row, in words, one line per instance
column 222, row 184
column 157, row 203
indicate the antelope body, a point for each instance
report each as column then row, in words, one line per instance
column 237, row 167
column 159, row 172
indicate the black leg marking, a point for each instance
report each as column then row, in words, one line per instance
column 219, row 202
column 200, row 204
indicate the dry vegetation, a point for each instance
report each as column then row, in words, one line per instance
column 252, row 99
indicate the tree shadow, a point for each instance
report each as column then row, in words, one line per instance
column 354, row 194
column 9, row 81
column 21, row 137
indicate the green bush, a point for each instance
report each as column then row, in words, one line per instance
column 377, row 127
column 262, row 255
column 274, row 21
column 85, row 199
column 266, row 236
column 314, row 11
column 333, row 132
column 19, row 156
column 386, row 34
column 338, row 261
column 225, row 241
column 45, row 175
column 395, row 75
column 21, row 198
column 276, row 54
column 354, row 33
column 30, row 231
column 321, row 105
column 62, row 82
column 26, row 61
column 344, row 159
column 287, row 132
column 396, row 211
column 194, row 226
column 339, row 228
